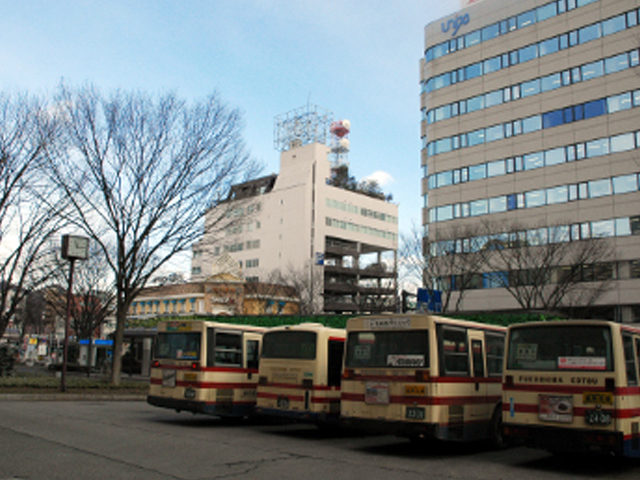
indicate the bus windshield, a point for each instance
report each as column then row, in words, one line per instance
column 289, row 344
column 564, row 347
column 400, row 349
column 178, row 345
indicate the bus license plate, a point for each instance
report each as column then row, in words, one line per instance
column 597, row 417
column 415, row 413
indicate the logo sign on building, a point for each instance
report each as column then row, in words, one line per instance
column 454, row 24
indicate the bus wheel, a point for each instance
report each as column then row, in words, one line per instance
column 497, row 437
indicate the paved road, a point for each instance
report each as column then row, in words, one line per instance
column 132, row 440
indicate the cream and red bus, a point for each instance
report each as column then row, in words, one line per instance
column 206, row 367
column 423, row 376
column 573, row 386
column 300, row 373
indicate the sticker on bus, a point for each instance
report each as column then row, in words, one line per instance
column 406, row 361
column 377, row 393
column 582, row 363
column 556, row 408
column 527, row 351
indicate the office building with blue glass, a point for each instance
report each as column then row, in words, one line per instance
column 531, row 116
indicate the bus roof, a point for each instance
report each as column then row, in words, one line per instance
column 633, row 327
column 311, row 327
column 188, row 325
column 412, row 320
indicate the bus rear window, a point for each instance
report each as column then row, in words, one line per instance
column 289, row 344
column 558, row 348
column 388, row 349
column 178, row 346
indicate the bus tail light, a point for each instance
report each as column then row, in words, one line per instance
column 348, row 374
column 155, row 364
column 195, row 366
column 423, row 376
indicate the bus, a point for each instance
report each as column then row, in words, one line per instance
column 206, row 367
column 300, row 373
column 423, row 377
column 573, row 386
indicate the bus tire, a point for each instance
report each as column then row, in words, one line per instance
column 497, row 437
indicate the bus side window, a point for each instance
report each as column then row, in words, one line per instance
column 630, row 360
column 495, row 353
column 478, row 358
column 253, row 354
column 211, row 344
column 336, row 352
column 228, row 349
column 454, row 351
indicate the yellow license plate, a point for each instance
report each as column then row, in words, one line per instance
column 190, row 377
column 415, row 390
column 597, row 398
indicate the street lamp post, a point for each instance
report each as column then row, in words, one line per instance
column 73, row 248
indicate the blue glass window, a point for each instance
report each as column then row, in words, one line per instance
column 492, row 65
column 530, row 88
column 613, row 25
column 478, row 172
column 498, row 204
column 494, row 133
column 443, row 145
column 592, row 70
column 472, row 71
column 512, row 204
column 444, row 213
column 595, row 108
column 496, row 168
column 475, row 138
column 472, row 38
column 625, row 184
column 617, row 63
column 551, row 82
column 603, row 228
column 533, row 161
column 442, row 113
column 534, row 198
column 555, row 156
column 549, row 46
column 552, row 119
column 479, row 207
column 444, row 178
column 597, row 148
column 492, row 31
column 532, row 124
column 441, row 81
column 599, row 188
column 558, row 194
column 527, row 18
column 493, row 98
column 528, row 53
column 589, row 33
column 622, row 143
column 547, row 11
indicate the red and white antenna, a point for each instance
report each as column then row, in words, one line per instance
column 339, row 130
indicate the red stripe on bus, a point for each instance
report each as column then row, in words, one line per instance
column 402, row 400
column 619, row 413
column 198, row 384
column 297, row 386
column 412, row 379
column 336, row 339
column 206, row 369
column 298, row 398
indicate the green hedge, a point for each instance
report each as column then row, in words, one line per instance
column 338, row 321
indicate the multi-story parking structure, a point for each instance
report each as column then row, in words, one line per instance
column 530, row 116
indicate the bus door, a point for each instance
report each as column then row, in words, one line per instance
column 480, row 407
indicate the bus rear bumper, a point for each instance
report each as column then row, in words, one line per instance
column 303, row 416
column 562, row 439
column 402, row 429
column 217, row 409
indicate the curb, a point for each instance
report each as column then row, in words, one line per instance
column 71, row 397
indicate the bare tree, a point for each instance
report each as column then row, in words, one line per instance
column 140, row 173
column 307, row 285
column 542, row 269
column 446, row 263
column 29, row 207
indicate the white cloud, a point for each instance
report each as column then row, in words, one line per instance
column 382, row 178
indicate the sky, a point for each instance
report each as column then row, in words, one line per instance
column 359, row 59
